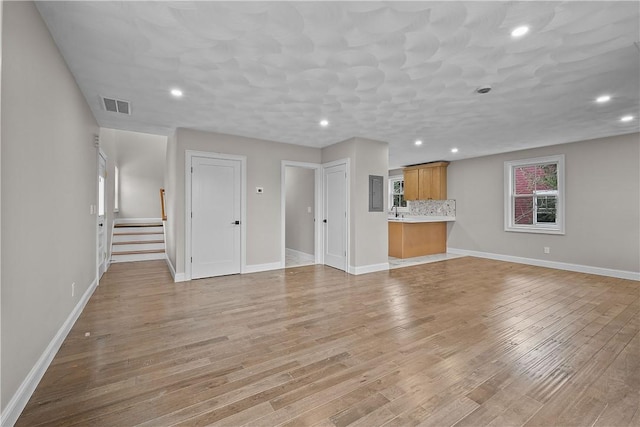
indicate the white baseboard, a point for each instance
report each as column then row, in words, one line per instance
column 371, row 268
column 177, row 277
column 171, row 269
column 620, row 274
column 21, row 397
column 256, row 268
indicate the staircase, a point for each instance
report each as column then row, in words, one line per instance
column 133, row 241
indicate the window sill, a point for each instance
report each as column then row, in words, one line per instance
column 535, row 230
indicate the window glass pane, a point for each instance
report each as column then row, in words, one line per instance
column 523, row 210
column 397, row 187
column 403, row 202
column 524, row 179
column 546, row 209
column 547, row 177
column 116, row 196
column 101, row 196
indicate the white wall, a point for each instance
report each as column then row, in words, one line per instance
column 300, row 209
column 263, row 170
column 141, row 158
column 602, row 205
column 368, row 231
column 49, row 180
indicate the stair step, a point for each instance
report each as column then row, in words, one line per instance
column 133, row 233
column 137, row 242
column 130, row 224
column 138, row 230
column 135, row 247
column 137, row 257
column 148, row 251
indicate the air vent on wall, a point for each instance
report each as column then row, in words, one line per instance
column 116, row 105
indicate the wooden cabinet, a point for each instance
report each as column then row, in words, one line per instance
column 408, row 240
column 425, row 182
column 411, row 184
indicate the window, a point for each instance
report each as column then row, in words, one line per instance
column 396, row 193
column 534, row 195
column 101, row 196
column 116, row 190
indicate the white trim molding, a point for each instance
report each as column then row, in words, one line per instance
column 177, row 277
column 172, row 270
column 371, row 268
column 256, row 268
column 599, row 271
column 20, row 399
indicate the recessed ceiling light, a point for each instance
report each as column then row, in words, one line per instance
column 454, row 150
column 626, row 118
column 176, row 92
column 324, row 123
column 418, row 142
column 520, row 31
column 603, row 98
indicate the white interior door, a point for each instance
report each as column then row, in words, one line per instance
column 215, row 217
column 102, row 218
column 335, row 216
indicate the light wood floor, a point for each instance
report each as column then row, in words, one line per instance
column 464, row 342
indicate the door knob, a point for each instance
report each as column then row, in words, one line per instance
column 235, row 223
column 324, row 220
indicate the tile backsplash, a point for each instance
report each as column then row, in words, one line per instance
column 432, row 207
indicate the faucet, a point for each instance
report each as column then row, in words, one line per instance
column 396, row 210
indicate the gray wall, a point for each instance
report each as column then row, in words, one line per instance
column 49, row 180
column 602, row 205
column 368, row 231
column 141, row 158
column 300, row 196
column 263, row 170
column 170, row 199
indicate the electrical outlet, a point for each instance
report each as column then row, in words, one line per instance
column 73, row 289
column 547, row 250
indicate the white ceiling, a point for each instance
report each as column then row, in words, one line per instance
column 390, row 71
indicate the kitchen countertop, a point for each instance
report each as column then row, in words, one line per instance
column 414, row 219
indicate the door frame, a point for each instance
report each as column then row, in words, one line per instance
column 188, row 157
column 318, row 200
column 102, row 156
column 347, row 166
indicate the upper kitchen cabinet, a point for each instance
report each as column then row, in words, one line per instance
column 426, row 182
column 411, row 180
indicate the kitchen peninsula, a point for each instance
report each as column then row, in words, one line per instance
column 424, row 230
column 417, row 236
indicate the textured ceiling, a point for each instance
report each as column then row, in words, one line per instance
column 390, row 71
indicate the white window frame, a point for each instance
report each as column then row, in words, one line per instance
column 116, row 189
column 393, row 179
column 544, row 228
